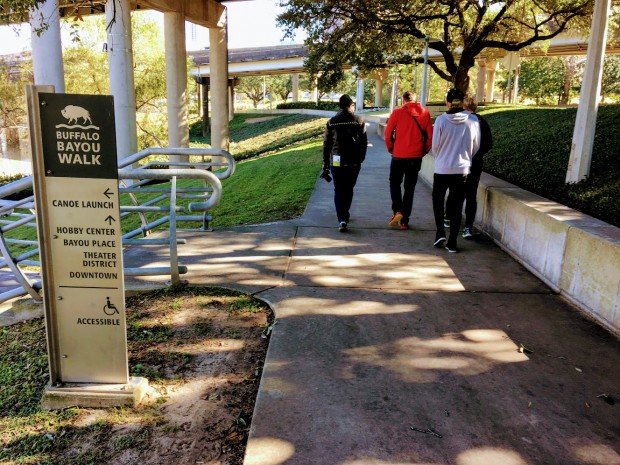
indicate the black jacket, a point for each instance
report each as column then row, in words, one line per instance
column 486, row 138
column 345, row 135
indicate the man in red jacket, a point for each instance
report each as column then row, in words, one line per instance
column 408, row 137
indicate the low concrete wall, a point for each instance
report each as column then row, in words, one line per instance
column 576, row 255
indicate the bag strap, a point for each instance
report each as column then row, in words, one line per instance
column 422, row 131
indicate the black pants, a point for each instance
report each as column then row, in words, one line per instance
column 471, row 202
column 404, row 169
column 345, row 178
column 456, row 183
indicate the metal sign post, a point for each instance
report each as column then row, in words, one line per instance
column 76, row 190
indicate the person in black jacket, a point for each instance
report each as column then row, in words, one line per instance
column 344, row 150
column 473, row 179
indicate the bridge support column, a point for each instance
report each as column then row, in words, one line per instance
column 359, row 95
column 295, row 86
column 380, row 77
column 481, row 80
column 231, row 99
column 218, row 45
column 176, row 80
column 120, row 58
column 394, row 94
column 47, row 47
column 515, row 85
column 490, row 90
column 315, row 91
column 585, row 123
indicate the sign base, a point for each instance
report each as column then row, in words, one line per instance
column 95, row 395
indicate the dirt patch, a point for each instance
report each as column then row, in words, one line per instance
column 202, row 350
column 259, row 120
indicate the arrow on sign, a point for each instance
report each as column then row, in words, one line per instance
column 108, row 193
column 109, row 219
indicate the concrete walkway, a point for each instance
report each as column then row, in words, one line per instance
column 389, row 351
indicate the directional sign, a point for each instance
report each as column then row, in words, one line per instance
column 76, row 184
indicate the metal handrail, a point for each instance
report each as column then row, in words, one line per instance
column 209, row 172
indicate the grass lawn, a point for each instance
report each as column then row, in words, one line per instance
column 253, row 134
column 274, row 187
column 531, row 149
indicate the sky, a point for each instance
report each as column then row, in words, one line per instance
column 250, row 24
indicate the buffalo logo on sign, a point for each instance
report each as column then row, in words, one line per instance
column 78, row 134
column 73, row 113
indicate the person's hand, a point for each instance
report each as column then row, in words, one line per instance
column 325, row 174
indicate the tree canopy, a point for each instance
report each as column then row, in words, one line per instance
column 377, row 33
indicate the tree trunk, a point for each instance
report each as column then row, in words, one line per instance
column 461, row 78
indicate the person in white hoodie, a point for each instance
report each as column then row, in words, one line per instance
column 456, row 138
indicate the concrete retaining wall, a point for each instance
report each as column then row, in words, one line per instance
column 576, row 255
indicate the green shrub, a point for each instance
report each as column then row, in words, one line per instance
column 330, row 106
column 532, row 147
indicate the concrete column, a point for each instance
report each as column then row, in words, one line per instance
column 394, row 94
column 585, row 123
column 315, row 91
column 515, row 85
column 378, row 92
column 231, row 99
column 206, row 128
column 295, row 90
column 359, row 95
column 481, row 80
column 490, row 90
column 120, row 59
column 176, row 80
column 218, row 53
column 47, row 47
column 425, row 84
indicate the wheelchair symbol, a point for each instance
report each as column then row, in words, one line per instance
column 109, row 308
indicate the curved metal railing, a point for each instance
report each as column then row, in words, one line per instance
column 155, row 205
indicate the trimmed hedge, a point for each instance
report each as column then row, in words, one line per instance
column 331, row 106
column 532, row 147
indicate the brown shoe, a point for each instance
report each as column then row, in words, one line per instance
column 395, row 220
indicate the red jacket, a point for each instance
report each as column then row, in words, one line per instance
column 402, row 135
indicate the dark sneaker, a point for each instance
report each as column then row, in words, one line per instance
column 467, row 234
column 446, row 223
column 395, row 220
column 343, row 226
column 451, row 248
column 404, row 227
column 440, row 239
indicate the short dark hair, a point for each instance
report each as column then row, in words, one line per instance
column 345, row 101
column 455, row 96
column 409, row 97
